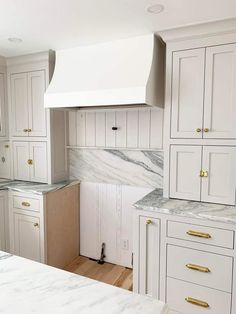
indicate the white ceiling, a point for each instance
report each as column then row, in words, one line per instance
column 57, row 24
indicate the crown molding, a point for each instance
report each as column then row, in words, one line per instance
column 46, row 56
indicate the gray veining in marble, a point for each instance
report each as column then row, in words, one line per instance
column 29, row 287
column 155, row 201
column 125, row 167
column 35, row 188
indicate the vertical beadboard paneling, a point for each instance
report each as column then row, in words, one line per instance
column 81, row 128
column 121, row 133
column 144, row 128
column 90, row 129
column 72, row 117
column 156, row 128
column 132, row 129
column 100, row 129
column 110, row 134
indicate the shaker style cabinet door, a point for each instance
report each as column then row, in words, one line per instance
column 187, row 93
column 26, row 239
column 220, row 92
column 149, row 252
column 5, row 160
column 185, row 167
column 2, row 223
column 19, row 104
column 219, row 183
column 20, row 161
column 37, row 113
column 2, row 106
column 38, row 161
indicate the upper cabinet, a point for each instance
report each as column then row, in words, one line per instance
column 28, row 116
column 2, row 106
column 203, row 93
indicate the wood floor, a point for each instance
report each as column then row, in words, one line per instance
column 109, row 273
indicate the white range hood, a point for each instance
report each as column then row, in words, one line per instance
column 123, row 72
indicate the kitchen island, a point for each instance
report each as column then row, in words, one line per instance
column 30, row 287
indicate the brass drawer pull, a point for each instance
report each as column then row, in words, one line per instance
column 199, row 234
column 148, row 222
column 198, row 268
column 30, row 162
column 26, row 204
column 197, row 302
column 36, row 224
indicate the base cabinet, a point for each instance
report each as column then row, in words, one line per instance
column 45, row 228
column 187, row 263
column 3, row 221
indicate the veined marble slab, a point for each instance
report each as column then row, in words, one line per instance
column 155, row 201
column 29, row 287
column 124, row 167
column 35, row 188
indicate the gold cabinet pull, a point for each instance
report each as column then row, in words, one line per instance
column 6, row 146
column 198, row 268
column 26, row 204
column 197, row 302
column 206, row 130
column 148, row 222
column 198, row 234
column 29, row 130
column 36, row 224
column 203, row 174
column 198, row 130
column 30, row 162
column 25, row 130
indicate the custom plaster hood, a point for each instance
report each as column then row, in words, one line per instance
column 123, row 72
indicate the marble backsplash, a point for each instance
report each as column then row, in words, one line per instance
column 125, row 167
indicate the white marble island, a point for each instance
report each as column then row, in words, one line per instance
column 29, row 287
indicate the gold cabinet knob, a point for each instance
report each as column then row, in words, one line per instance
column 30, row 162
column 198, row 130
column 203, row 174
column 26, row 204
column 197, row 302
column 206, row 130
column 25, row 130
column 29, row 130
column 148, row 222
column 36, row 224
column 6, row 146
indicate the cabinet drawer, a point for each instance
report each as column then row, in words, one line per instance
column 27, row 203
column 212, row 301
column 206, row 269
column 201, row 234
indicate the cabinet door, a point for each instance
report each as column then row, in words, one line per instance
column 20, row 160
column 220, row 92
column 27, row 236
column 187, row 93
column 185, row 167
column 149, row 256
column 38, row 157
column 220, row 163
column 19, row 104
column 2, row 223
column 37, row 113
column 5, row 162
column 2, row 106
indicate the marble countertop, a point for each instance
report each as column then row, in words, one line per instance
column 155, row 202
column 32, row 187
column 29, row 287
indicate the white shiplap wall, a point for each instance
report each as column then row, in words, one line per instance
column 137, row 128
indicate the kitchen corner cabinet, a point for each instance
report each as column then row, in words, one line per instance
column 28, row 116
column 45, row 228
column 203, row 173
column 197, row 263
column 203, row 93
column 30, row 161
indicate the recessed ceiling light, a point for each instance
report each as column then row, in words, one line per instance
column 155, row 9
column 15, row 40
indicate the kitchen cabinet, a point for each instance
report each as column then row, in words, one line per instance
column 148, row 256
column 5, row 161
column 203, row 93
column 197, row 262
column 45, row 228
column 2, row 106
column 205, row 173
column 3, row 220
column 28, row 116
column 30, row 161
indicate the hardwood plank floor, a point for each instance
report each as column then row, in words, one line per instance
column 114, row 275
